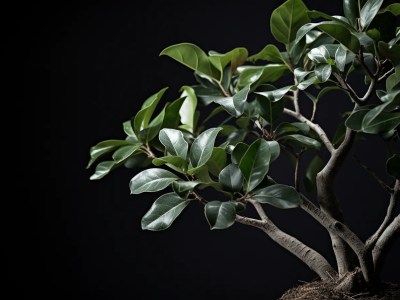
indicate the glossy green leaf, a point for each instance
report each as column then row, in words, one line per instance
column 315, row 166
column 323, row 72
column 393, row 166
column 319, row 55
column 300, row 74
column 340, row 58
column 351, row 11
column 275, row 149
column 270, row 53
column 220, row 215
column 255, row 163
column 342, row 35
column 238, row 152
column 314, row 14
column 257, row 75
column 183, row 188
column 128, row 129
column 174, row 142
column 277, row 94
column 171, row 113
column 124, row 153
column 102, row 169
column 382, row 123
column 192, row 57
column 174, row 162
column 269, row 110
column 234, row 58
column 301, row 141
column 143, row 117
column 306, row 83
column 235, row 105
column 163, row 212
column 231, row 178
column 217, row 161
column 202, row 147
column 278, row 195
column 188, row 109
column 139, row 160
column 354, row 121
column 287, row 19
column 393, row 81
column 207, row 95
column 152, row 130
column 105, row 147
column 369, row 11
column 394, row 8
column 285, row 128
column 151, row 180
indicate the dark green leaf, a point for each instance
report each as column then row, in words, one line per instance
column 393, row 166
column 351, row 11
column 207, row 95
column 255, row 163
column 217, row 161
column 369, row 11
column 174, row 142
column 354, row 121
column 171, row 113
column 151, row 180
column 257, row 75
column 314, row 14
column 323, row 72
column 174, row 162
column 339, row 135
column 193, row 57
column 269, row 110
column 275, row 149
column 382, row 123
column 183, row 188
column 278, row 195
column 202, row 147
column 163, row 212
column 300, row 74
column 287, row 19
column 306, row 83
column 300, row 141
column 231, row 178
column 284, row 128
column 220, row 215
column 270, row 53
column 105, row 147
column 276, row 95
column 150, row 132
column 139, row 160
column 315, row 166
column 102, row 169
column 238, row 152
column 235, row 105
column 124, row 153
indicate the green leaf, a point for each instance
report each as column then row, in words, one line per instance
column 105, row 147
column 183, row 188
column 285, row 127
column 128, row 129
column 354, row 121
column 163, row 212
column 314, row 14
column 151, row 180
column 238, row 152
column 342, row 35
column 278, row 195
column 275, row 149
column 235, row 105
column 394, row 8
column 300, row 74
column 314, row 167
column 143, row 117
column 257, row 75
column 124, row 153
column 323, row 72
column 339, row 135
column 255, row 163
column 192, row 57
column 171, row 113
column 150, row 132
column 393, row 166
column 306, row 83
column 382, row 123
column 369, row 11
column 234, row 58
column 202, row 147
column 217, row 161
column 340, row 58
column 139, row 160
column 231, row 178
column 301, row 141
column 287, row 19
column 188, row 109
column 270, row 53
column 276, row 95
column 220, row 215
column 319, row 55
column 351, row 11
column 174, row 142
column 269, row 110
column 102, row 169
column 174, row 162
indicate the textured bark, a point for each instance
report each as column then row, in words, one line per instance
column 310, row 257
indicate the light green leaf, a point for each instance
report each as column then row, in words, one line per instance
column 202, row 147
column 183, row 188
column 276, row 95
column 217, row 161
column 143, row 117
column 124, row 153
column 300, row 141
column 306, row 83
column 323, row 72
column 287, row 19
column 255, row 163
column 174, row 142
column 300, row 74
column 235, row 58
column 105, row 147
column 174, row 162
column 188, row 109
column 394, row 8
column 151, row 180
column 163, row 212
column 368, row 12
column 128, row 129
column 270, row 53
column 220, row 215
column 393, row 166
column 193, row 57
column 319, row 55
column 275, row 149
column 340, row 58
column 102, row 169
column 278, row 195
column 231, row 178
column 315, row 166
column 257, row 75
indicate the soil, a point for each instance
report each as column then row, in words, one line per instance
column 318, row 290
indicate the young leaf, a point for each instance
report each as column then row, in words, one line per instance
column 188, row 109
column 394, row 8
column 369, row 11
column 278, row 195
column 202, row 147
column 174, row 142
column 105, row 147
column 255, row 163
column 231, row 178
column 151, row 180
column 220, row 215
column 319, row 55
column 163, row 212
column 287, row 19
column 312, row 170
column 393, row 166
column 193, row 57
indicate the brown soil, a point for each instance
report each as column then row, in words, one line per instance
column 325, row 291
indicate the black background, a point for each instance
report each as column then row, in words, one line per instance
column 86, row 68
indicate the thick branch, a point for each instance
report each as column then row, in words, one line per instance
column 321, row 133
column 389, row 216
column 310, row 257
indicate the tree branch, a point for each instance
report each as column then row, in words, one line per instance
column 321, row 133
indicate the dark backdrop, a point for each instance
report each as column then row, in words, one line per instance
column 86, row 68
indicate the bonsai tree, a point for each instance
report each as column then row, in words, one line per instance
column 263, row 100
